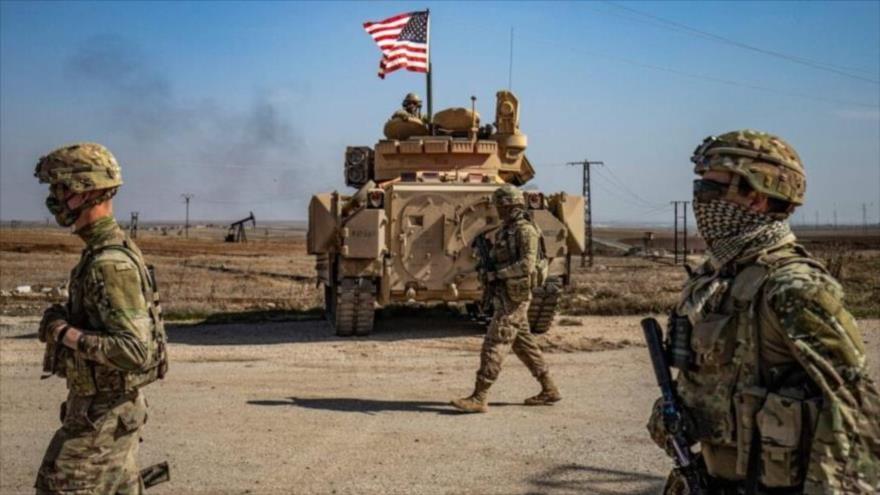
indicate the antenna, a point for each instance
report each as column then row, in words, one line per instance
column 510, row 63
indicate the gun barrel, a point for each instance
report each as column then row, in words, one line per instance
column 654, row 340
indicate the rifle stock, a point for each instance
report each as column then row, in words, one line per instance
column 155, row 474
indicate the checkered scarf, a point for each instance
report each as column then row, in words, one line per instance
column 732, row 231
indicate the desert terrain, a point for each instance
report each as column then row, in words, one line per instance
column 263, row 398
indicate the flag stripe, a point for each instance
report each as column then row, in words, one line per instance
column 390, row 19
column 387, row 26
column 403, row 40
column 405, row 56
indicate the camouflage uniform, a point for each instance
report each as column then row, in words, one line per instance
column 411, row 109
column 514, row 256
column 772, row 368
column 113, row 300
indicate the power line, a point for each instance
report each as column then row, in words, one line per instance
column 623, row 194
column 663, row 22
column 622, row 185
column 704, row 77
column 254, row 202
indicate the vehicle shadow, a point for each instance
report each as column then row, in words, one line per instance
column 577, row 478
column 367, row 406
column 279, row 327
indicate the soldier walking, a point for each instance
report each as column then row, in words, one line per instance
column 108, row 341
column 772, row 370
column 514, row 258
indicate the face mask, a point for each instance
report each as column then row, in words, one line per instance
column 64, row 216
column 730, row 230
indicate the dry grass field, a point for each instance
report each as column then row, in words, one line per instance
column 272, row 277
column 200, row 278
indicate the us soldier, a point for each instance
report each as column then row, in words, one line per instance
column 772, row 371
column 412, row 108
column 514, row 258
column 108, row 341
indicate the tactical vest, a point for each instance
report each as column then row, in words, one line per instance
column 86, row 377
column 506, row 251
column 747, row 426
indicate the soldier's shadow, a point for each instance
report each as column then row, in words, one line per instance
column 367, row 406
column 578, row 478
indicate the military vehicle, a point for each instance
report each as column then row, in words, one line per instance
column 424, row 193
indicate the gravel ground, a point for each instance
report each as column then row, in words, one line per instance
column 287, row 408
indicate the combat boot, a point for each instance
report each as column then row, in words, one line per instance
column 477, row 402
column 549, row 393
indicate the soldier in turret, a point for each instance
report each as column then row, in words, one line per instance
column 772, row 372
column 411, row 108
column 514, row 259
column 108, row 341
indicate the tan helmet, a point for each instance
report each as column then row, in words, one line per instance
column 769, row 164
column 80, row 167
column 507, row 195
column 412, row 98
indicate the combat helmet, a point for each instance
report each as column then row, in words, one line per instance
column 770, row 165
column 508, row 195
column 79, row 168
column 412, row 98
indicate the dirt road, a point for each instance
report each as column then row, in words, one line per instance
column 287, row 408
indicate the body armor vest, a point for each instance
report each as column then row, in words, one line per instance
column 726, row 386
column 85, row 377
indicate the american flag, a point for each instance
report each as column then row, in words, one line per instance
column 403, row 40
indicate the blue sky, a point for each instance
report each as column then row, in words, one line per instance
column 249, row 106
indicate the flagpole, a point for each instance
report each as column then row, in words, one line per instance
column 428, row 75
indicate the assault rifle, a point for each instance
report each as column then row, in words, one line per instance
column 673, row 419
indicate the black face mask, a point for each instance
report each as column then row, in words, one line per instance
column 64, row 216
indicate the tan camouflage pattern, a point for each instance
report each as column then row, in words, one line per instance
column 95, row 449
column 794, row 308
column 515, row 254
column 107, row 299
column 803, row 307
column 769, row 164
column 81, row 167
column 508, row 195
column 515, row 251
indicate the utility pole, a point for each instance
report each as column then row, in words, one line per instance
column 835, row 218
column 186, row 197
column 683, row 217
column 817, row 219
column 588, row 208
column 133, row 226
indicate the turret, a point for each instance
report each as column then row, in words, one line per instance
column 452, row 149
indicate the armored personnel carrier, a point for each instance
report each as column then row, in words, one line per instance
column 424, row 193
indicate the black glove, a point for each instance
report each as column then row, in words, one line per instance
column 54, row 317
column 657, row 427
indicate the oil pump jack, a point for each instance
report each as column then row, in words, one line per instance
column 237, row 232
